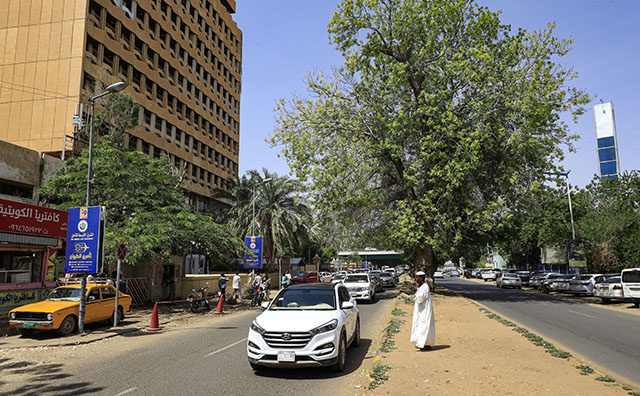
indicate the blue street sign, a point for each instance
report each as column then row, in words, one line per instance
column 83, row 240
column 365, row 264
column 254, row 243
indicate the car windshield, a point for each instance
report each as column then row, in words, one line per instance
column 357, row 279
column 65, row 294
column 615, row 279
column 339, row 276
column 584, row 277
column 305, row 300
column 510, row 276
column 303, row 274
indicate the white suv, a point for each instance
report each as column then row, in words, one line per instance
column 631, row 285
column 309, row 324
column 360, row 286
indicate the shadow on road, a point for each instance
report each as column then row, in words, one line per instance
column 355, row 358
column 35, row 379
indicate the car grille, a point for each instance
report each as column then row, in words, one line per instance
column 31, row 316
column 282, row 339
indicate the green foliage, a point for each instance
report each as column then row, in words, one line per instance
column 439, row 118
column 388, row 345
column 585, row 370
column 145, row 206
column 393, row 327
column 605, row 378
column 398, row 312
column 379, row 374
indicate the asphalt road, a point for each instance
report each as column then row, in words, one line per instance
column 208, row 358
column 610, row 339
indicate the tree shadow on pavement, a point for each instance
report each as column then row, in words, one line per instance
column 355, row 358
column 34, row 378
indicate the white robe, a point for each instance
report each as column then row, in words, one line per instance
column 423, row 329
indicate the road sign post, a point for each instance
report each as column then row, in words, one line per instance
column 122, row 254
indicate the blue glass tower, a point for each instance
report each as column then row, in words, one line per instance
column 606, row 140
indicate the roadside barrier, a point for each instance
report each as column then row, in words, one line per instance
column 219, row 308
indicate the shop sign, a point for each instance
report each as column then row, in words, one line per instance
column 22, row 218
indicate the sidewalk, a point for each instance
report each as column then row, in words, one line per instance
column 476, row 353
column 169, row 316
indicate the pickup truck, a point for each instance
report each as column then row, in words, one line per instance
column 306, row 277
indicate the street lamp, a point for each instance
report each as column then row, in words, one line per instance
column 253, row 203
column 566, row 175
column 117, row 87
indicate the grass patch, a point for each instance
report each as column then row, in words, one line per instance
column 398, row 312
column 634, row 393
column 605, row 378
column 584, row 370
column 393, row 327
column 539, row 341
column 626, row 388
column 379, row 375
column 388, row 345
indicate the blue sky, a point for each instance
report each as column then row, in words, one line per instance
column 286, row 39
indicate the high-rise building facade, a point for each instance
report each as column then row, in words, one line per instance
column 181, row 60
column 606, row 140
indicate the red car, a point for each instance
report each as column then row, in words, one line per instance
column 306, row 277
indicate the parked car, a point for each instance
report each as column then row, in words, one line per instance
column 438, row 274
column 490, row 274
column 375, row 277
column 536, row 281
column 305, row 325
column 609, row 289
column 360, row 286
column 326, row 277
column 338, row 278
column 585, row 283
column 561, row 284
column 545, row 285
column 388, row 280
column 631, row 285
column 306, row 277
column 524, row 277
column 454, row 272
column 59, row 311
column 509, row 279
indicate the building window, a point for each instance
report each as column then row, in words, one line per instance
column 20, row 266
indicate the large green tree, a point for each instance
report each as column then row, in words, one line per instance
column 438, row 119
column 144, row 202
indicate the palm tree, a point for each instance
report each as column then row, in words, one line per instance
column 282, row 216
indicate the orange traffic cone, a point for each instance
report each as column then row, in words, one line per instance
column 154, row 319
column 219, row 308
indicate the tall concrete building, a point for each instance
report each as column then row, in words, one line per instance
column 181, row 60
column 606, row 140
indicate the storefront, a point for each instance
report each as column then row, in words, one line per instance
column 31, row 252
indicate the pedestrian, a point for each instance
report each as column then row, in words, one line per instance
column 423, row 327
column 284, row 281
column 288, row 278
column 222, row 284
column 267, row 287
column 236, row 287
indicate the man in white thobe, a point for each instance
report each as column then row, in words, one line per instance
column 423, row 328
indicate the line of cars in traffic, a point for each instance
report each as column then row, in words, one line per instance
column 613, row 286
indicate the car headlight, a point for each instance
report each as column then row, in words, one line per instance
column 325, row 327
column 13, row 315
column 49, row 316
column 257, row 329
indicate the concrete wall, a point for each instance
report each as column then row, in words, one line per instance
column 190, row 282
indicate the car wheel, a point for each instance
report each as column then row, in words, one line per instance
column 356, row 337
column 67, row 326
column 637, row 304
column 606, row 300
column 342, row 355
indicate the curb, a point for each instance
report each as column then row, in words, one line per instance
column 74, row 343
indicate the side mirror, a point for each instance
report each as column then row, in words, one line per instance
column 265, row 305
column 347, row 305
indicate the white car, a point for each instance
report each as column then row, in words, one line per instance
column 438, row 274
column 305, row 325
column 509, row 279
column 360, row 286
column 338, row 278
column 585, row 283
column 631, row 285
column 492, row 274
column 610, row 289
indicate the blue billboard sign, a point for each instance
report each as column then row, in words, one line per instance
column 254, row 243
column 83, row 240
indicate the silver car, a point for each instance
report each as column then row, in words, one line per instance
column 610, row 289
column 585, row 283
column 509, row 279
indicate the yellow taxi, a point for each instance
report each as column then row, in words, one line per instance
column 59, row 311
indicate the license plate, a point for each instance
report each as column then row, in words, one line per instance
column 29, row 324
column 286, row 356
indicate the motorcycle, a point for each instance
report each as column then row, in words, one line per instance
column 198, row 298
column 258, row 296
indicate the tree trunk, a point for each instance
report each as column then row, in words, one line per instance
column 424, row 262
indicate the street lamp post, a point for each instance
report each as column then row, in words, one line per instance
column 117, row 87
column 566, row 175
